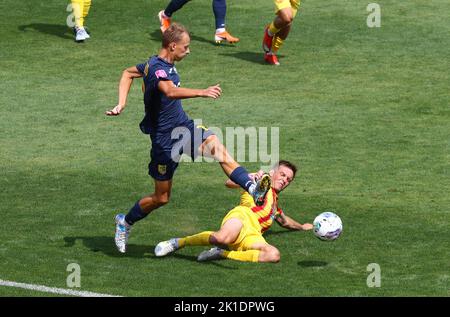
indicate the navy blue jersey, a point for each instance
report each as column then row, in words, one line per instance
column 161, row 113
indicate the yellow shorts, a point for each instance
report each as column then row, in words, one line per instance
column 283, row 4
column 250, row 232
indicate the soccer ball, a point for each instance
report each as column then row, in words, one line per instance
column 327, row 226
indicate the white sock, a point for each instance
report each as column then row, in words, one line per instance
column 220, row 30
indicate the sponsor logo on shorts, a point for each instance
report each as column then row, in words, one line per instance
column 162, row 169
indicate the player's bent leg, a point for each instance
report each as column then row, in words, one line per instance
column 169, row 246
column 213, row 148
column 284, row 18
column 139, row 211
column 228, row 233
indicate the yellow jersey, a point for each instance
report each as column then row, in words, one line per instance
column 265, row 213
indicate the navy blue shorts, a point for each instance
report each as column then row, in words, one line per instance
column 168, row 147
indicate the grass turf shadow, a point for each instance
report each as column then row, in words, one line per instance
column 59, row 30
column 106, row 246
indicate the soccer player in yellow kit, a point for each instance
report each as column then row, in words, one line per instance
column 243, row 227
column 80, row 10
column 277, row 31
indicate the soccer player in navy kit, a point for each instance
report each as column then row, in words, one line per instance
column 164, row 115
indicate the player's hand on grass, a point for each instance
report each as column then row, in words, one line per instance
column 212, row 92
column 307, row 226
column 115, row 111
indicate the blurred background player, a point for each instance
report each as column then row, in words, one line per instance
column 243, row 227
column 277, row 31
column 80, row 11
column 220, row 11
column 164, row 115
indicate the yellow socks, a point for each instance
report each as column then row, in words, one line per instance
column 80, row 10
column 77, row 6
column 244, row 256
column 276, row 43
column 201, row 238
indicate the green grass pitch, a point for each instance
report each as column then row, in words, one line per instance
column 363, row 111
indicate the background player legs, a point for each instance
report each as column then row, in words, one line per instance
column 281, row 28
column 278, row 30
column 174, row 6
column 86, row 8
column 220, row 12
column 80, row 10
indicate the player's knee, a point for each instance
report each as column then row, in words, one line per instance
column 208, row 146
column 163, row 199
column 222, row 238
column 276, row 256
column 272, row 254
column 286, row 17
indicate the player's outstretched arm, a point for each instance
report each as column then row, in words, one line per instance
column 168, row 88
column 289, row 223
column 124, row 87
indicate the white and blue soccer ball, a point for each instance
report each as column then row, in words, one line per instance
column 327, row 226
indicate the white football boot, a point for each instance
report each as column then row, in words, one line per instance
column 81, row 34
column 122, row 233
column 165, row 247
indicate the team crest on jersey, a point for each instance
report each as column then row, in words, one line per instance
column 160, row 73
column 162, row 169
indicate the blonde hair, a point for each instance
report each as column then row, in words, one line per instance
column 173, row 34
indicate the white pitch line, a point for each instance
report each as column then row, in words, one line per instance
column 60, row 291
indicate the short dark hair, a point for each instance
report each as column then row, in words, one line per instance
column 173, row 34
column 288, row 164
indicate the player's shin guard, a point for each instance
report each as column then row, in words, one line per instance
column 244, row 256
column 201, row 238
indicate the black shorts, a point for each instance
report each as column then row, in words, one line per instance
column 167, row 149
